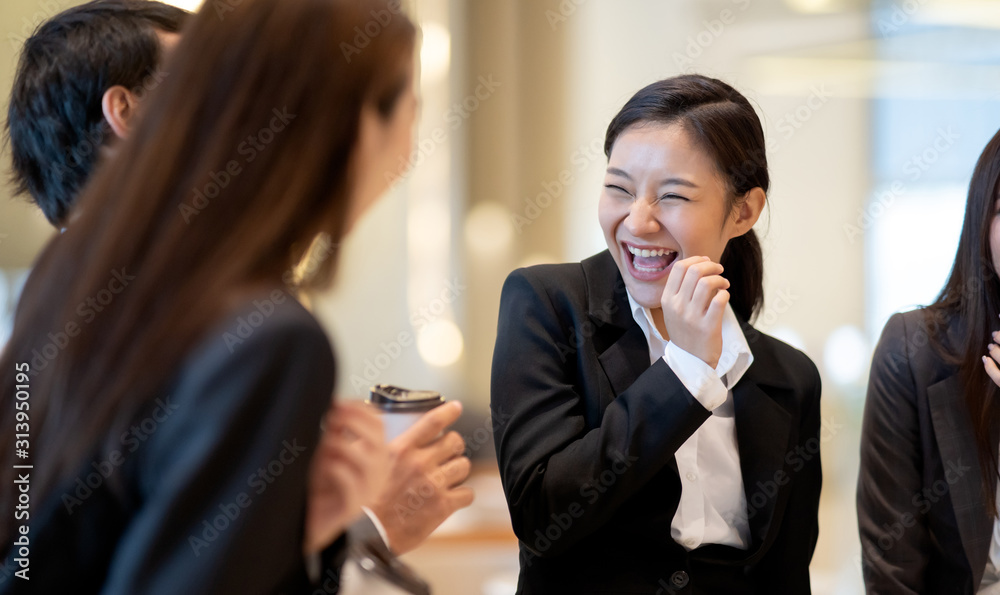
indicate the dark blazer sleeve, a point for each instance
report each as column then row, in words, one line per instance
column 785, row 568
column 893, row 560
column 222, row 479
column 550, row 460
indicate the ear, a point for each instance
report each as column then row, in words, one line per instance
column 119, row 105
column 748, row 211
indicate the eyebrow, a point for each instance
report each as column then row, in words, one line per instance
column 667, row 182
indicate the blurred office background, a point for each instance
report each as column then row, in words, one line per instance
column 875, row 113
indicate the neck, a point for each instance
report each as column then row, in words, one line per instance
column 657, row 315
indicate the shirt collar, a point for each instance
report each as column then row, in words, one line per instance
column 736, row 355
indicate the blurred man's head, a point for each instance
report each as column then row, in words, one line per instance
column 77, row 84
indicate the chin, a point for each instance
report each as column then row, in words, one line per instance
column 647, row 295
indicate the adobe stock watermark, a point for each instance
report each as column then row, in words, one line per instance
column 922, row 501
column 899, row 15
column 416, row 498
column 130, row 441
column 551, row 190
column 773, row 309
column 796, row 459
column 249, row 149
column 484, row 434
column 389, row 352
column 790, row 122
column 711, row 31
column 365, row 34
column 246, row 325
column 87, row 310
column 257, row 483
column 914, row 168
column 562, row 12
column 454, row 117
column 591, row 491
column 83, row 153
column 578, row 334
column 49, row 8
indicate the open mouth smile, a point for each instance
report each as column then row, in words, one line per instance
column 648, row 263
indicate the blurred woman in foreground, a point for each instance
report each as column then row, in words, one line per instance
column 169, row 382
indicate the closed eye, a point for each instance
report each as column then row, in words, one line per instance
column 617, row 188
column 673, row 196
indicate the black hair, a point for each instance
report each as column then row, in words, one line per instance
column 723, row 123
column 55, row 123
column 970, row 303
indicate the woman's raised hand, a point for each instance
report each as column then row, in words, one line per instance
column 694, row 300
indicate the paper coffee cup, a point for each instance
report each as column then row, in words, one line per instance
column 401, row 408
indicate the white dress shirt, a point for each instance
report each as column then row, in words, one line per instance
column 712, row 508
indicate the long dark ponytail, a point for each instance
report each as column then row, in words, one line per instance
column 724, row 124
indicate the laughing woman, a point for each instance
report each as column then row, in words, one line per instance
column 654, row 441
column 928, row 486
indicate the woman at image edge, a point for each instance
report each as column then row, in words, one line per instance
column 214, row 497
column 928, row 487
column 651, row 440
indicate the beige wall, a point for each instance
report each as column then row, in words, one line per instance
column 23, row 230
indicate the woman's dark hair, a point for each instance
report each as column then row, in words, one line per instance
column 723, row 123
column 191, row 233
column 971, row 299
column 55, row 124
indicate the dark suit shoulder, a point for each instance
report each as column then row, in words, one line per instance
column 554, row 278
column 269, row 322
column 785, row 365
column 906, row 346
column 563, row 285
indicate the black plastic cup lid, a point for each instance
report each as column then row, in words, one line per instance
column 397, row 400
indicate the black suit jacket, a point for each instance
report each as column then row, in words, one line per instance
column 210, row 496
column 923, row 523
column 586, row 430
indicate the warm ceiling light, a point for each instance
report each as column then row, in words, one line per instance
column 192, row 5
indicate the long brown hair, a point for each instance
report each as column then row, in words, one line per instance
column 185, row 229
column 721, row 120
column 969, row 304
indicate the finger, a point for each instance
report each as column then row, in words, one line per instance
column 343, row 454
column 454, row 472
column 694, row 275
column 447, row 447
column 349, row 491
column 461, row 497
column 677, row 274
column 358, row 451
column 991, row 369
column 430, row 426
column 358, row 419
column 716, row 309
column 707, row 289
column 994, row 351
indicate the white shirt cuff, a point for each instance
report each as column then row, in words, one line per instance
column 699, row 378
column 378, row 525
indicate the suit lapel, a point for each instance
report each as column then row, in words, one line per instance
column 957, row 446
column 626, row 359
column 620, row 343
column 763, row 434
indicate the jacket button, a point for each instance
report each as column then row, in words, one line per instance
column 679, row 579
